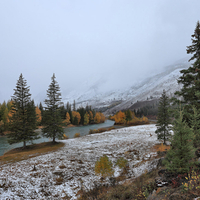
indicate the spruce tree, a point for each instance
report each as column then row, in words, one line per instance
column 179, row 157
column 128, row 115
column 195, row 125
column 53, row 122
column 23, row 119
column 190, row 78
column 163, row 122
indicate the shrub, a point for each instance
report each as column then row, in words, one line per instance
column 121, row 162
column 193, row 182
column 103, row 167
column 92, row 131
column 77, row 135
column 65, row 137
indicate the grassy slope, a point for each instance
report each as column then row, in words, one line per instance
column 31, row 151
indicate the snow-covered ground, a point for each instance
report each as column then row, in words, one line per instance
column 62, row 173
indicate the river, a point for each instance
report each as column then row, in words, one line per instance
column 83, row 130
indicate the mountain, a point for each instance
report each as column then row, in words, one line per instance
column 95, row 91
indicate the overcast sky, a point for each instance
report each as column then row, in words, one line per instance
column 77, row 39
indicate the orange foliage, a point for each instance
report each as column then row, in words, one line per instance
column 91, row 118
column 103, row 118
column 38, row 114
column 77, row 115
column 99, row 118
column 67, row 119
column 120, row 118
column 161, row 147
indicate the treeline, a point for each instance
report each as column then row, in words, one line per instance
column 81, row 116
column 6, row 114
column 128, row 118
column 149, row 110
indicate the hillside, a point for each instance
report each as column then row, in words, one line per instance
column 95, row 92
column 61, row 174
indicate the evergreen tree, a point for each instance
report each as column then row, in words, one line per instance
column 128, row 115
column 190, row 78
column 86, row 118
column 163, row 129
column 23, row 119
column 74, row 106
column 195, row 125
column 31, row 117
column 53, row 122
column 42, row 113
column 179, row 157
column 75, row 121
column 82, row 114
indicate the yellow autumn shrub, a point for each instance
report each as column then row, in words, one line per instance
column 103, row 167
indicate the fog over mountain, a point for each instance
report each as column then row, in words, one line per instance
column 115, row 44
column 94, row 92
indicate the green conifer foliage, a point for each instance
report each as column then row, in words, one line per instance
column 23, row 119
column 179, row 157
column 190, row 78
column 163, row 122
column 53, row 122
column 86, row 119
column 195, row 125
column 128, row 115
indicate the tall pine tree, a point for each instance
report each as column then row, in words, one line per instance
column 53, row 122
column 190, row 78
column 23, row 118
column 163, row 122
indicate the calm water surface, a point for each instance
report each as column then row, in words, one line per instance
column 83, row 130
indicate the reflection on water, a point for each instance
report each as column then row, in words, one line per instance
column 83, row 130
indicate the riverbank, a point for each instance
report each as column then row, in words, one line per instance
column 19, row 154
column 69, row 132
column 63, row 173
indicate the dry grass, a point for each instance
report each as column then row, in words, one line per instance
column 137, row 189
column 161, row 147
column 31, row 151
column 77, row 135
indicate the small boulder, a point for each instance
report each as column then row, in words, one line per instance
column 160, row 182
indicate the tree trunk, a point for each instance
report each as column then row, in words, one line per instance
column 24, row 146
column 54, row 139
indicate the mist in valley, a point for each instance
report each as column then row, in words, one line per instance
column 102, row 45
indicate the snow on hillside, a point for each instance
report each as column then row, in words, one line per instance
column 152, row 87
column 62, row 173
column 107, row 90
column 99, row 92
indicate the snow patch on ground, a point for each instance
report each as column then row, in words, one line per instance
column 64, row 172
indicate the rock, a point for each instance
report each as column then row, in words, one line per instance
column 160, row 182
